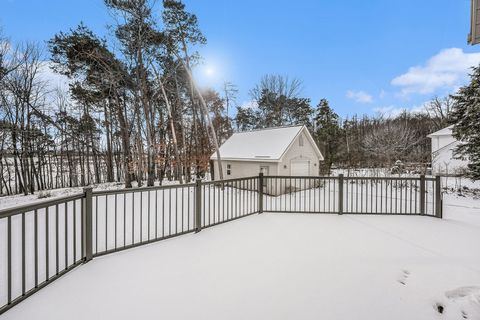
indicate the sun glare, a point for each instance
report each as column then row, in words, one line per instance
column 209, row 71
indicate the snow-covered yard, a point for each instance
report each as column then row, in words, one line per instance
column 284, row 266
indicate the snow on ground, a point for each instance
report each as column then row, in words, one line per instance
column 284, row 266
column 20, row 199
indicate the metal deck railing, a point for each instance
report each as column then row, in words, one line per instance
column 41, row 242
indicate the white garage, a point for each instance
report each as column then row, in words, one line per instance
column 282, row 151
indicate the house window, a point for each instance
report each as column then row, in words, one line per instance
column 300, row 141
column 229, row 169
column 265, row 170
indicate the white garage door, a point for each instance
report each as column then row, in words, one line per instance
column 300, row 168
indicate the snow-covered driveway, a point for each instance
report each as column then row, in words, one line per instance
column 281, row 266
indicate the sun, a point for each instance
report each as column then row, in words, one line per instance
column 209, row 71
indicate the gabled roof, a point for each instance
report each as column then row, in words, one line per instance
column 443, row 132
column 262, row 145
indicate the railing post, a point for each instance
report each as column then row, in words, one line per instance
column 340, row 194
column 438, row 197
column 260, row 192
column 422, row 194
column 88, row 225
column 198, row 205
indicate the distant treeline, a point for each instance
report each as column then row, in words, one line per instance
column 356, row 142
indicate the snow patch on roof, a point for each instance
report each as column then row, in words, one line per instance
column 266, row 144
column 443, row 132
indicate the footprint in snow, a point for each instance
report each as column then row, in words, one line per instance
column 403, row 278
column 463, row 297
column 471, row 293
column 439, row 307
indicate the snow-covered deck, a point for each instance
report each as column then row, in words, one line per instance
column 283, row 266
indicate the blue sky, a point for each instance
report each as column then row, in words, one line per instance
column 363, row 56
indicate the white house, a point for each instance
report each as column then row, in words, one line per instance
column 443, row 146
column 283, row 151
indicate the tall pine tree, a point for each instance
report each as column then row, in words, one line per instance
column 327, row 132
column 466, row 119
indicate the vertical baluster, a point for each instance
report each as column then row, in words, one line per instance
column 106, row 222
column 311, row 185
column 223, row 202
column 329, row 196
column 245, row 196
column 183, row 204
column 170, row 212
column 124, row 219
column 133, row 217
column 396, row 196
column 411, row 196
column 188, row 208
column 82, row 228
column 148, row 218
column 66, row 235
column 176, row 210
column 9, row 260
column 426, row 197
column 74, row 231
column 57, row 252
column 232, row 213
column 116, row 221
column 156, row 214
column 356, row 194
column 96, row 224
column 215, row 205
column 35, row 236
column 220, row 200
column 141, row 216
column 163, row 212
column 237, row 198
column 361, row 195
column 381, row 195
column 406, row 195
column 391, row 196
column 401, row 197
column 23, row 255
column 203, row 205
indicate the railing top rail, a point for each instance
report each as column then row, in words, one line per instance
column 345, row 178
column 4, row 213
column 301, row 177
column 142, row 189
column 228, row 180
column 383, row 178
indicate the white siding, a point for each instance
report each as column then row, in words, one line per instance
column 297, row 152
column 242, row 169
column 443, row 161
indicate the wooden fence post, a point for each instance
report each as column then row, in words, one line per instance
column 340, row 193
column 438, row 197
column 87, row 225
column 260, row 192
column 198, row 205
column 422, row 194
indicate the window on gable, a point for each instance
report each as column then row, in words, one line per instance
column 229, row 169
column 300, row 141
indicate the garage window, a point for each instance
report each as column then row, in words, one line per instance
column 229, row 169
column 300, row 141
